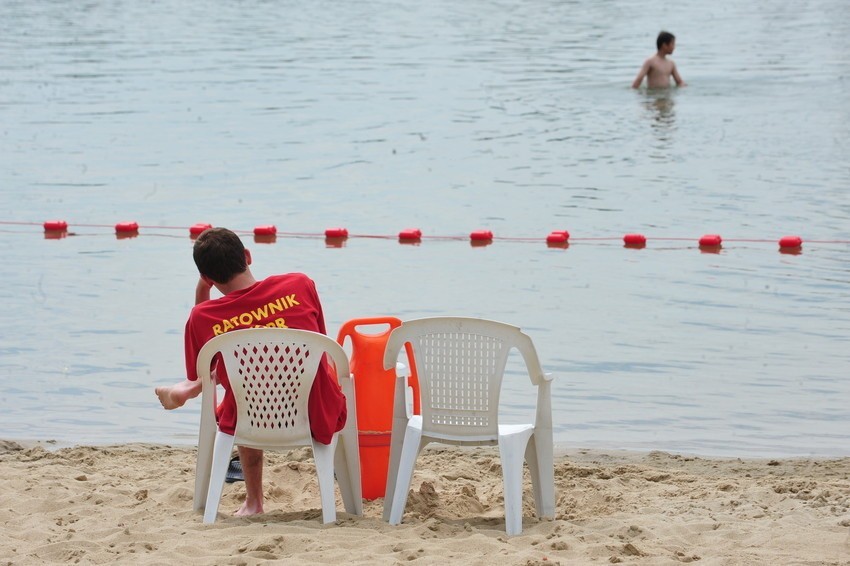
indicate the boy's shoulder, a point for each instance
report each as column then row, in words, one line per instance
column 651, row 61
column 295, row 279
column 295, row 276
column 660, row 61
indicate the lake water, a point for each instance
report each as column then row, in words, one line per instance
column 450, row 117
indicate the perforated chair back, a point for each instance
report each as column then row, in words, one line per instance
column 461, row 363
column 271, row 380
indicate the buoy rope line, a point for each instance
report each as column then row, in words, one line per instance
column 557, row 238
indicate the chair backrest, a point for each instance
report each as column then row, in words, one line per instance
column 461, row 362
column 271, row 371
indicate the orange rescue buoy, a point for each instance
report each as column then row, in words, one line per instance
column 375, row 388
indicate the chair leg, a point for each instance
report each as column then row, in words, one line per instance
column 396, row 442
column 534, row 471
column 323, row 455
column 511, row 452
column 203, row 467
column 541, row 465
column 347, row 455
column 409, row 451
column 220, row 460
column 347, row 467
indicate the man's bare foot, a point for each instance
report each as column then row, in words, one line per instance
column 175, row 396
column 248, row 510
column 169, row 398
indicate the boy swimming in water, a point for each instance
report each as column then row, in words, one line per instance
column 658, row 69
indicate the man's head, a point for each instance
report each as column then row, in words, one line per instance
column 219, row 255
column 665, row 38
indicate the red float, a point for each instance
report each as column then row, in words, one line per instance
column 126, row 227
column 336, row 233
column 557, row 237
column 266, row 230
column 196, row 229
column 634, row 239
column 710, row 240
column 55, row 226
column 410, row 235
column 481, row 236
column 790, row 242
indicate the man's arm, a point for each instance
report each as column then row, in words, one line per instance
column 175, row 396
column 677, row 78
column 202, row 291
column 641, row 74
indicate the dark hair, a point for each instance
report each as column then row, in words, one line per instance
column 219, row 254
column 664, row 38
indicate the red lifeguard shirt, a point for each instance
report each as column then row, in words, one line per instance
column 282, row 301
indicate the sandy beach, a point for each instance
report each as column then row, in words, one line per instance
column 133, row 504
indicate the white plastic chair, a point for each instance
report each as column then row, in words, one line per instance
column 271, row 371
column 461, row 362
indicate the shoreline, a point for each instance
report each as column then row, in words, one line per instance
column 134, row 502
column 561, row 449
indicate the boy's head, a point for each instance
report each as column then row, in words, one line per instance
column 664, row 38
column 219, row 254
